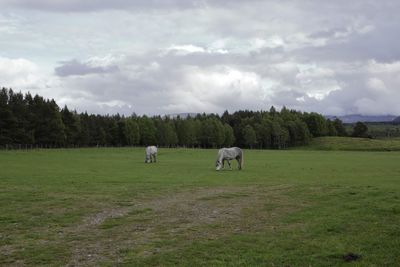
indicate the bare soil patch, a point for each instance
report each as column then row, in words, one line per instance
column 154, row 225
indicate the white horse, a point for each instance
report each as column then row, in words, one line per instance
column 151, row 154
column 229, row 154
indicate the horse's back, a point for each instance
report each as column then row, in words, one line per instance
column 151, row 150
column 238, row 150
column 231, row 152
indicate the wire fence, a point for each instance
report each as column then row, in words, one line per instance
column 27, row 147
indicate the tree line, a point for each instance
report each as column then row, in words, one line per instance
column 34, row 120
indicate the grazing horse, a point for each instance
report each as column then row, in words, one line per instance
column 229, row 154
column 151, row 154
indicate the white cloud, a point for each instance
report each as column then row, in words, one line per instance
column 217, row 89
column 183, row 50
column 186, row 49
column 376, row 84
column 376, row 67
column 19, row 73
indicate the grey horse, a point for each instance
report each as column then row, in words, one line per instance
column 229, row 154
column 151, row 154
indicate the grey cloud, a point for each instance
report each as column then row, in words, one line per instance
column 96, row 5
column 294, row 99
column 381, row 44
column 327, row 33
column 74, row 67
column 93, row 5
column 169, row 90
column 135, row 88
column 285, row 73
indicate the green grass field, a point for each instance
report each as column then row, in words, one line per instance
column 353, row 144
column 105, row 207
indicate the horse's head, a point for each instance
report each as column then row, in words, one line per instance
column 218, row 165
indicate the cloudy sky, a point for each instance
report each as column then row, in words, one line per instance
column 170, row 56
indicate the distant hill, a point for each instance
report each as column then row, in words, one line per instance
column 363, row 118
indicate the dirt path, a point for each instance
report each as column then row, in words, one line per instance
column 185, row 216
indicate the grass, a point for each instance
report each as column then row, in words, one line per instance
column 106, row 207
column 353, row 144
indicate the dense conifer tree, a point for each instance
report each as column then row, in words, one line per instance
column 38, row 121
column 249, row 136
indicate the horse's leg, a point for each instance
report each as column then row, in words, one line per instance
column 229, row 163
column 155, row 158
column 239, row 161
